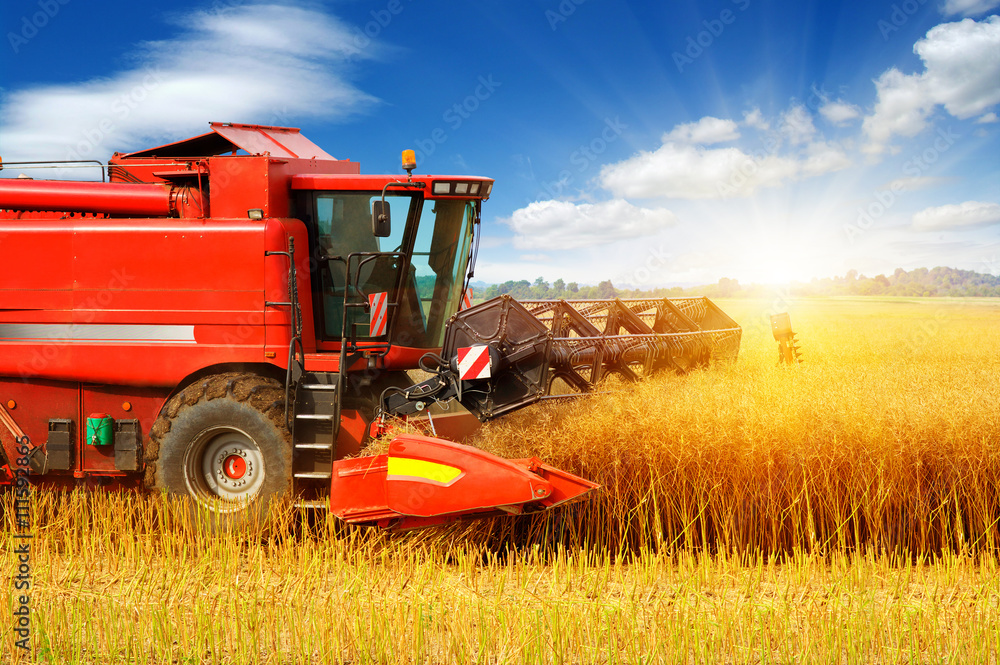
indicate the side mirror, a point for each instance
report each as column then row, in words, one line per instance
column 381, row 224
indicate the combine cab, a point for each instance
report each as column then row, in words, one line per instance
column 233, row 316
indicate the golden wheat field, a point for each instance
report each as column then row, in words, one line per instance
column 846, row 510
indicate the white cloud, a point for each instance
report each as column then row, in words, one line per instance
column 902, row 108
column 839, row 112
column 987, row 118
column 968, row 7
column 565, row 225
column 252, row 63
column 690, row 172
column 823, row 157
column 797, row 125
column 706, row 131
column 962, row 215
column 540, row 258
column 754, row 118
column 961, row 70
column 685, row 167
column 963, row 65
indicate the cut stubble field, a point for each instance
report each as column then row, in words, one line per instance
column 846, row 510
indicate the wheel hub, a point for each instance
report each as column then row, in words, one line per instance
column 225, row 464
column 235, row 467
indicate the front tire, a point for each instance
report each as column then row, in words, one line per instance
column 222, row 442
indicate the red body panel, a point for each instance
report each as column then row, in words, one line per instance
column 36, row 402
column 423, row 481
column 353, row 426
column 144, row 302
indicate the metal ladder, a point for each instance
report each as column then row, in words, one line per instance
column 316, row 424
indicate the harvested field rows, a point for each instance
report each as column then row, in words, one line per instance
column 841, row 511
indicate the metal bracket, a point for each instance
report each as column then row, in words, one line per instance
column 128, row 445
column 36, row 458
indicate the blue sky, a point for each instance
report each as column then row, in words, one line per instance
column 647, row 143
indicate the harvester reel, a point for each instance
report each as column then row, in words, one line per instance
column 534, row 347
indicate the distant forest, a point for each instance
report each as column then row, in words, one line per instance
column 920, row 282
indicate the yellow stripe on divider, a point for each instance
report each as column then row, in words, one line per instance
column 400, row 468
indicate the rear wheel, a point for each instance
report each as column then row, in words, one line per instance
column 223, row 442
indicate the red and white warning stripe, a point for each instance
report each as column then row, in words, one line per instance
column 378, row 313
column 474, row 362
column 466, row 299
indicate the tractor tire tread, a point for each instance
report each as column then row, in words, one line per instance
column 263, row 394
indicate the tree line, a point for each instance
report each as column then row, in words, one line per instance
column 919, row 282
column 542, row 290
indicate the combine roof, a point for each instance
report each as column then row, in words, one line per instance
column 281, row 142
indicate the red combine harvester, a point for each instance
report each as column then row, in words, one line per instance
column 233, row 316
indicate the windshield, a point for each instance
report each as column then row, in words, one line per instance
column 437, row 270
column 421, row 265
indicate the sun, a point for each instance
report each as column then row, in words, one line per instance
column 777, row 261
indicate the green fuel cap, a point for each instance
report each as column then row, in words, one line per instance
column 99, row 430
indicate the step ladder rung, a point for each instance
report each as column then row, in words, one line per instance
column 318, row 386
column 315, row 416
column 314, row 446
column 314, row 475
column 314, row 504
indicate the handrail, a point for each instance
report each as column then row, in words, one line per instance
column 296, row 324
